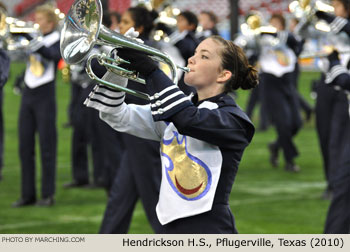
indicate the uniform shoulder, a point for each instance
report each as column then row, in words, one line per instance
column 228, row 104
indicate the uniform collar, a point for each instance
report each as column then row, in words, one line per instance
column 223, row 97
column 49, row 32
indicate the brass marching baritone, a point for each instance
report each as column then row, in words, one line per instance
column 11, row 31
column 83, row 30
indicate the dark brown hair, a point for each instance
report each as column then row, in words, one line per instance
column 191, row 18
column 244, row 75
column 142, row 18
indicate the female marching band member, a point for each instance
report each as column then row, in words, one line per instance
column 38, row 111
column 278, row 92
column 202, row 137
column 337, row 76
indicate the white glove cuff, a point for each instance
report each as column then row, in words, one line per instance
column 105, row 99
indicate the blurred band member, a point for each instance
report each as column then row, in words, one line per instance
column 333, row 106
column 90, row 131
column 185, row 40
column 138, row 176
column 38, row 112
column 207, row 21
column 277, row 67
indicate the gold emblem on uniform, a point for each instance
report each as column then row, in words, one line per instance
column 282, row 58
column 36, row 67
column 186, row 173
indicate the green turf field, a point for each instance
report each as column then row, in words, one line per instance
column 263, row 199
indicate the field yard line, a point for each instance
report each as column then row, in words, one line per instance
column 277, row 187
column 61, row 220
column 272, row 199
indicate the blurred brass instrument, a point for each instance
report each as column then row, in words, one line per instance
column 166, row 21
column 12, row 29
column 83, row 30
column 305, row 10
column 251, row 31
column 253, row 26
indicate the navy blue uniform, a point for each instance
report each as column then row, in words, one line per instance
column 220, row 219
column 254, row 98
column 283, row 110
column 4, row 72
column 38, row 114
column 85, row 131
column 89, row 129
column 201, row 146
column 304, row 105
column 78, row 121
column 138, row 177
column 327, row 110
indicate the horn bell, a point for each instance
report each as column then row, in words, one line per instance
column 80, row 30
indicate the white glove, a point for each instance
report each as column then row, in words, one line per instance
column 131, row 33
column 106, row 99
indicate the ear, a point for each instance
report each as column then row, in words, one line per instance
column 224, row 76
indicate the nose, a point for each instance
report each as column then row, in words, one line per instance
column 191, row 60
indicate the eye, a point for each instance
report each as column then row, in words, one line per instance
column 204, row 57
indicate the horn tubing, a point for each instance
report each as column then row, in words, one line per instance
column 125, row 71
column 120, row 40
column 93, row 76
